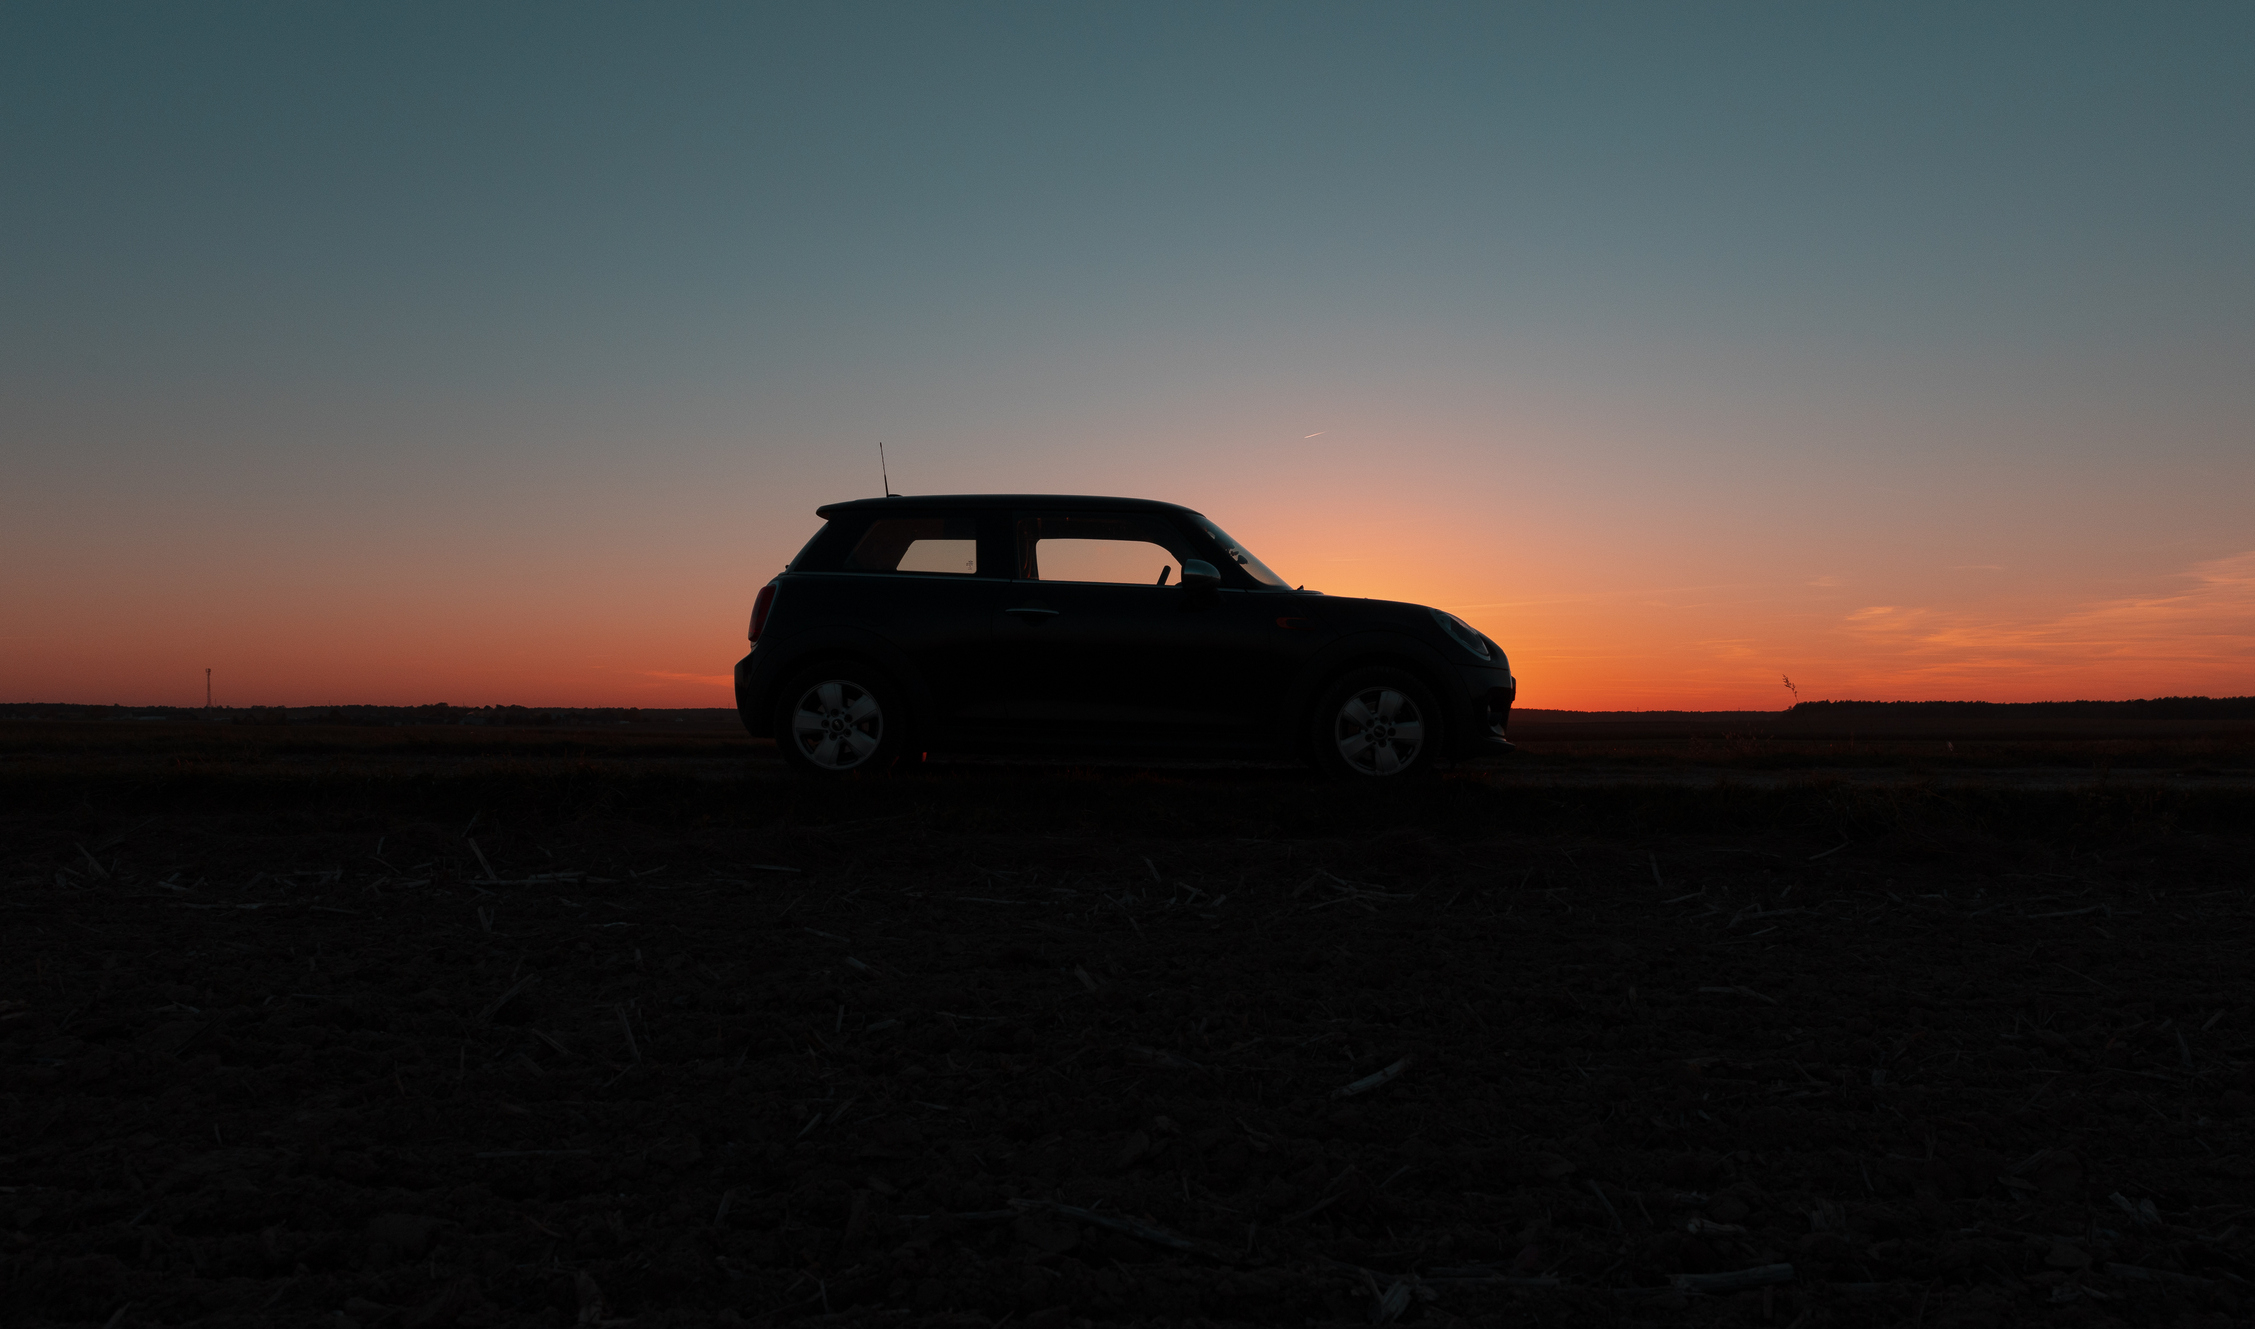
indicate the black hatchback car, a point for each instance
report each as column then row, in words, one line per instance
column 1045, row 623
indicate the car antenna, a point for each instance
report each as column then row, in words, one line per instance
column 888, row 479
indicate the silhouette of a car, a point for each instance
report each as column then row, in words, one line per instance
column 1070, row 624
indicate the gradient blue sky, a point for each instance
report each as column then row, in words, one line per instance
column 498, row 353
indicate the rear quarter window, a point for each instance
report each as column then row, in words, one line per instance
column 807, row 556
column 939, row 546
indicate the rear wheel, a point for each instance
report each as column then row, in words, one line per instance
column 1376, row 723
column 840, row 719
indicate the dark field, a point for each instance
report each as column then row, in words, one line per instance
column 422, row 1027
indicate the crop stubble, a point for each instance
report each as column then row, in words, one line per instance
column 1115, row 1048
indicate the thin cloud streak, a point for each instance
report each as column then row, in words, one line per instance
column 2204, row 631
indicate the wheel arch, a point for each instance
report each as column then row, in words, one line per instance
column 843, row 645
column 1376, row 649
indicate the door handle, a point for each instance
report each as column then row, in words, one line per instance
column 1031, row 613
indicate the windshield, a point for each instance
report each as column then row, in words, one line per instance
column 1244, row 557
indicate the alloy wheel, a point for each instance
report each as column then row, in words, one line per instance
column 1379, row 731
column 837, row 724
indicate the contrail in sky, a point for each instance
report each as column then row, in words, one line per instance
column 1317, row 434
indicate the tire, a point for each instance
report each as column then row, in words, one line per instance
column 840, row 719
column 1376, row 724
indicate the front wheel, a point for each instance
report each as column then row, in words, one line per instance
column 1376, row 723
column 840, row 719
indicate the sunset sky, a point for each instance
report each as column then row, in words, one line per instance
column 487, row 353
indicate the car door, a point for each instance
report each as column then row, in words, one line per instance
column 1258, row 644
column 932, row 584
column 1096, row 649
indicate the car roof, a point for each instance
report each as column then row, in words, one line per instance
column 1066, row 502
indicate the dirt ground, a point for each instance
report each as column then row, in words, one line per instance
column 532, row 1042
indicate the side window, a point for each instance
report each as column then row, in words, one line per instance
column 1134, row 548
column 944, row 546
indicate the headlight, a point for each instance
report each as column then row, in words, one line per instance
column 1463, row 634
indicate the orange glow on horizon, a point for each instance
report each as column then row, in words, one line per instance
column 1692, row 646
column 603, row 586
column 1731, row 645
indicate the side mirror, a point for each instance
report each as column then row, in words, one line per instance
column 1198, row 575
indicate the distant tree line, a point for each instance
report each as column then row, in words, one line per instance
column 436, row 713
column 2157, row 708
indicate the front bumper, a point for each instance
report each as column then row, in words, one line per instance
column 1490, row 695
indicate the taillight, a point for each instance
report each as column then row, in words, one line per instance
column 765, row 602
